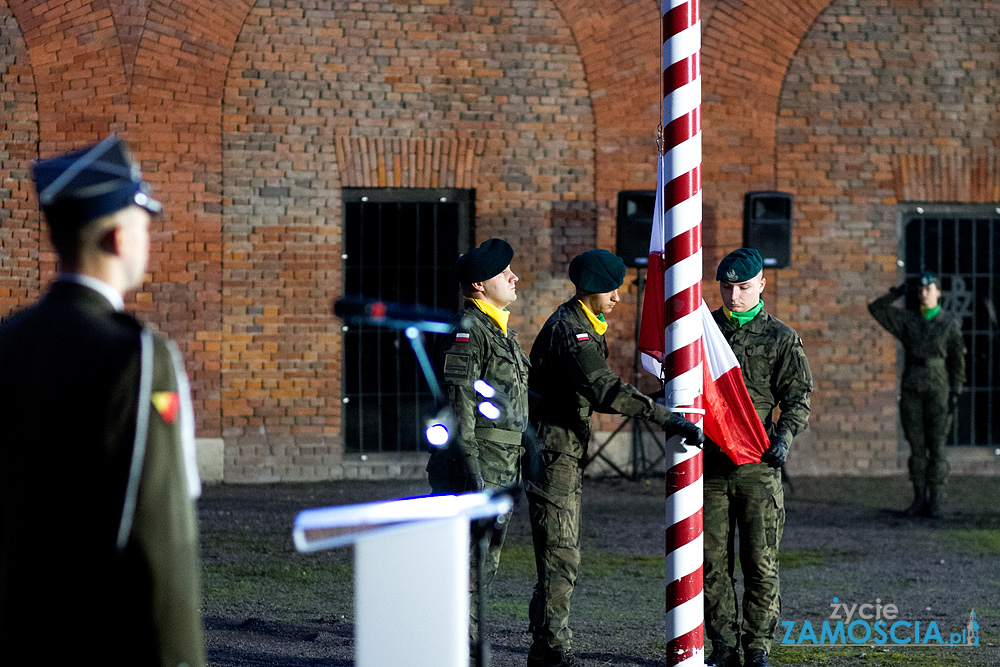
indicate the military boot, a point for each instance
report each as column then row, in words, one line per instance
column 723, row 656
column 935, row 502
column 543, row 656
column 916, row 508
column 756, row 657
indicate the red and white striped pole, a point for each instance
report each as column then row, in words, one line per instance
column 682, row 365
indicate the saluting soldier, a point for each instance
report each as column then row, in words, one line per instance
column 98, row 474
column 933, row 375
column 776, row 374
column 571, row 375
column 485, row 453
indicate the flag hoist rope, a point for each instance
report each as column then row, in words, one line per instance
column 680, row 151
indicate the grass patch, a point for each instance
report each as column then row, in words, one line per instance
column 515, row 610
column 814, row 557
column 244, row 568
column 517, row 560
column 980, row 542
column 603, row 564
column 863, row 655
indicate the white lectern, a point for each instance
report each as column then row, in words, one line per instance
column 411, row 573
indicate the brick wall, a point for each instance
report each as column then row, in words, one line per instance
column 19, row 220
column 249, row 117
column 318, row 97
column 880, row 104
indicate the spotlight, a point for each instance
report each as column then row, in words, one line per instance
column 490, row 411
column 438, row 428
column 484, row 389
column 437, row 435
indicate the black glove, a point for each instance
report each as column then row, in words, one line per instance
column 474, row 482
column 677, row 425
column 777, row 453
column 898, row 290
column 952, row 402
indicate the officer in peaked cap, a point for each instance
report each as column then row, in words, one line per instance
column 99, row 478
column 776, row 374
column 485, row 452
column 933, row 377
column 571, row 375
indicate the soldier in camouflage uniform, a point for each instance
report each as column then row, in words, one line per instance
column 749, row 496
column 933, row 375
column 484, row 453
column 571, row 376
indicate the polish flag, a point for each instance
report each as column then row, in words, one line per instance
column 730, row 419
column 652, row 327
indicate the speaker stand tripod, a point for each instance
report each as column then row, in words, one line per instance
column 641, row 466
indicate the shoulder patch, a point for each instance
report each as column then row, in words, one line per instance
column 582, row 337
column 456, row 366
column 167, row 404
column 462, row 337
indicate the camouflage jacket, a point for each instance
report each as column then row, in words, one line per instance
column 775, row 371
column 935, row 352
column 572, row 378
column 479, row 350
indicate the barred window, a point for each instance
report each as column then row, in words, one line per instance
column 400, row 245
column 960, row 243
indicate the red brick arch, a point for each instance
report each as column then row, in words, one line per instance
column 746, row 49
column 20, row 233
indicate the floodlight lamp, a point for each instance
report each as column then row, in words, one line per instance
column 437, row 434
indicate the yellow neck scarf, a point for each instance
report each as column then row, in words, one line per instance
column 598, row 321
column 499, row 316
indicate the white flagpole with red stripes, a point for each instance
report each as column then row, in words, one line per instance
column 682, row 364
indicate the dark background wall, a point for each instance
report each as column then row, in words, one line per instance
column 250, row 117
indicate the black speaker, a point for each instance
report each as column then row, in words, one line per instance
column 635, row 222
column 767, row 226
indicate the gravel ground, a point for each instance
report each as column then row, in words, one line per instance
column 844, row 538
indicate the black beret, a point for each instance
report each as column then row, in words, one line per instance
column 91, row 183
column 482, row 263
column 928, row 277
column 740, row 265
column 597, row 271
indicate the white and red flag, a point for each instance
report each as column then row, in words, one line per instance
column 730, row 419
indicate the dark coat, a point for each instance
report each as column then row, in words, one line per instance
column 69, row 405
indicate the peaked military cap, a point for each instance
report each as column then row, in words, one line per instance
column 482, row 263
column 929, row 277
column 740, row 265
column 91, row 183
column 597, row 271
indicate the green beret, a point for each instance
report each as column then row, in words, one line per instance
column 928, row 277
column 597, row 271
column 739, row 266
column 482, row 263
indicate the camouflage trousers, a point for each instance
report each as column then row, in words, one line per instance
column 491, row 563
column 554, row 495
column 746, row 500
column 926, row 422
column 444, row 484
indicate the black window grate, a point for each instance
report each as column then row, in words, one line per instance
column 399, row 246
column 960, row 243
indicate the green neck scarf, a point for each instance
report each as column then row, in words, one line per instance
column 742, row 318
column 930, row 313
